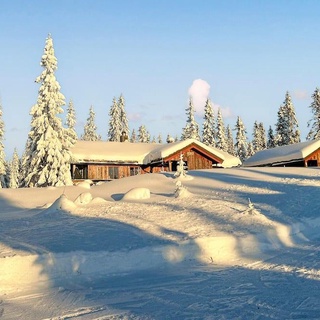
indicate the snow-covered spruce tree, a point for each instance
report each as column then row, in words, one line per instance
column 209, row 132
column 230, row 142
column 71, row 122
column 170, row 139
column 314, row 123
column 47, row 157
column 14, row 170
column 90, row 129
column 159, row 138
column 123, row 117
column 250, row 150
column 221, row 141
column 241, row 145
column 115, row 124
column 2, row 153
column 181, row 168
column 191, row 130
column 271, row 139
column 133, row 138
column 143, row 134
column 259, row 141
column 287, row 129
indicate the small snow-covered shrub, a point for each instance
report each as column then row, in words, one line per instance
column 137, row 194
column 84, row 198
column 181, row 191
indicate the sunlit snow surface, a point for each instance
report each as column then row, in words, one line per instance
column 233, row 244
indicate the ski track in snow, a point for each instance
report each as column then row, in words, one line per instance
column 178, row 276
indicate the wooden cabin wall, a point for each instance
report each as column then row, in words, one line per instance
column 197, row 161
column 315, row 156
column 104, row 172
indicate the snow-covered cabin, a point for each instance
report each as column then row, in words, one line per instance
column 103, row 160
column 303, row 154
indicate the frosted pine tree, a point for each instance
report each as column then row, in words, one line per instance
column 230, row 142
column 271, row 139
column 115, row 124
column 314, row 123
column 170, row 139
column 133, row 138
column 14, row 170
column 159, row 138
column 250, row 150
column 221, row 141
column 259, row 137
column 191, row 130
column 90, row 129
column 143, row 134
column 123, row 117
column 287, row 129
column 2, row 153
column 208, row 132
column 241, row 145
column 47, row 155
column 71, row 122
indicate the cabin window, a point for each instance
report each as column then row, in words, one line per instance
column 134, row 171
column 80, row 171
column 113, row 172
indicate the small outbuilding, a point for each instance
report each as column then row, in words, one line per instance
column 103, row 160
column 304, row 154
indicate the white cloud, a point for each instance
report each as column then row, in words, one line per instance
column 226, row 112
column 301, row 94
column 199, row 91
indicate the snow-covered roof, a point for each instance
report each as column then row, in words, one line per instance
column 168, row 149
column 139, row 153
column 283, row 154
column 106, row 151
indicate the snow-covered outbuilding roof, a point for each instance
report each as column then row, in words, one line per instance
column 284, row 154
column 140, row 153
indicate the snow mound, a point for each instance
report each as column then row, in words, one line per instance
column 85, row 184
column 137, row 194
column 84, row 198
column 98, row 200
column 61, row 204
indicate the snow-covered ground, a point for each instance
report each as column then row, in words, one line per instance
column 220, row 244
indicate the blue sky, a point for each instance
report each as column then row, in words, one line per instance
column 247, row 54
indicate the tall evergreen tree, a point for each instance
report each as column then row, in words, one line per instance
column 314, row 123
column 259, row 141
column 221, row 141
column 47, row 154
column 271, row 139
column 208, row 132
column 71, row 122
column 14, row 170
column 241, row 144
column 123, row 116
column 250, row 150
column 159, row 138
column 2, row 153
column 191, row 130
column 133, row 138
column 115, row 124
column 143, row 134
column 287, row 129
column 90, row 129
column 230, row 142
